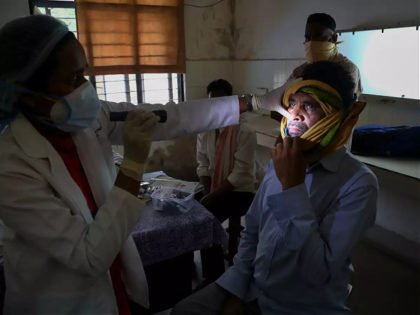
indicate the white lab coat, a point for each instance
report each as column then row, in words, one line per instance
column 56, row 256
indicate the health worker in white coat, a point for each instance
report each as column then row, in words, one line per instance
column 67, row 213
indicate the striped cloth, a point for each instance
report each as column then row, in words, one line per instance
column 331, row 132
column 225, row 155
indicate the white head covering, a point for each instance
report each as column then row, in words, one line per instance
column 25, row 44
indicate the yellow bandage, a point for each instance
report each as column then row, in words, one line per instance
column 332, row 131
column 132, row 169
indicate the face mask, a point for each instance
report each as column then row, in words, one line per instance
column 320, row 50
column 77, row 110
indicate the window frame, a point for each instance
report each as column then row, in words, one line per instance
column 48, row 5
column 382, row 29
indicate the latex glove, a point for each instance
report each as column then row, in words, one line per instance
column 138, row 129
column 272, row 100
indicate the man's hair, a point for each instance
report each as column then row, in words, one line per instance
column 220, row 85
column 334, row 75
column 323, row 19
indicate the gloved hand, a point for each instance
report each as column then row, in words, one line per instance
column 138, row 129
column 272, row 100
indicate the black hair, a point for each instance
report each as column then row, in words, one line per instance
column 334, row 75
column 323, row 19
column 39, row 79
column 220, row 85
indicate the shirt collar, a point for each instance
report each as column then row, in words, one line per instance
column 330, row 162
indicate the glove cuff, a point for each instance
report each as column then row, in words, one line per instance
column 132, row 169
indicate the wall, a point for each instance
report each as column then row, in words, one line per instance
column 10, row 9
column 275, row 29
column 209, row 46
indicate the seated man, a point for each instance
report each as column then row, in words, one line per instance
column 225, row 159
column 314, row 204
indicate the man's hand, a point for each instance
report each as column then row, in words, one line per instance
column 233, row 306
column 206, row 182
column 289, row 162
column 208, row 200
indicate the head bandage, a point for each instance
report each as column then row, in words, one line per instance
column 25, row 44
column 331, row 132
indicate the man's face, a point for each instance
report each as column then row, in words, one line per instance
column 318, row 32
column 217, row 93
column 305, row 112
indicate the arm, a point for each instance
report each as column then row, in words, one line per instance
column 203, row 163
column 211, row 197
column 272, row 100
column 184, row 119
column 206, row 182
column 243, row 172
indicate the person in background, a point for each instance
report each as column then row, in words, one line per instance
column 226, row 160
column 320, row 44
column 314, row 204
column 67, row 213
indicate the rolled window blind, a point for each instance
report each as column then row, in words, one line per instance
column 132, row 36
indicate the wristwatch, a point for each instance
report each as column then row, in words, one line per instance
column 248, row 99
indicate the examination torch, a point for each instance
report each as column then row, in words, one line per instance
column 121, row 116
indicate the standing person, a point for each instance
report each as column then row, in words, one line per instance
column 68, row 214
column 226, row 160
column 320, row 44
column 314, row 204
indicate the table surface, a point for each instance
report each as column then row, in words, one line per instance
column 163, row 234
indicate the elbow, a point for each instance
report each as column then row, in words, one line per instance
column 89, row 264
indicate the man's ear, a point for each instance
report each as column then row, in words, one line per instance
column 334, row 37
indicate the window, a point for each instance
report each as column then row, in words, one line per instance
column 132, row 36
column 159, row 88
column 134, row 88
column 388, row 60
